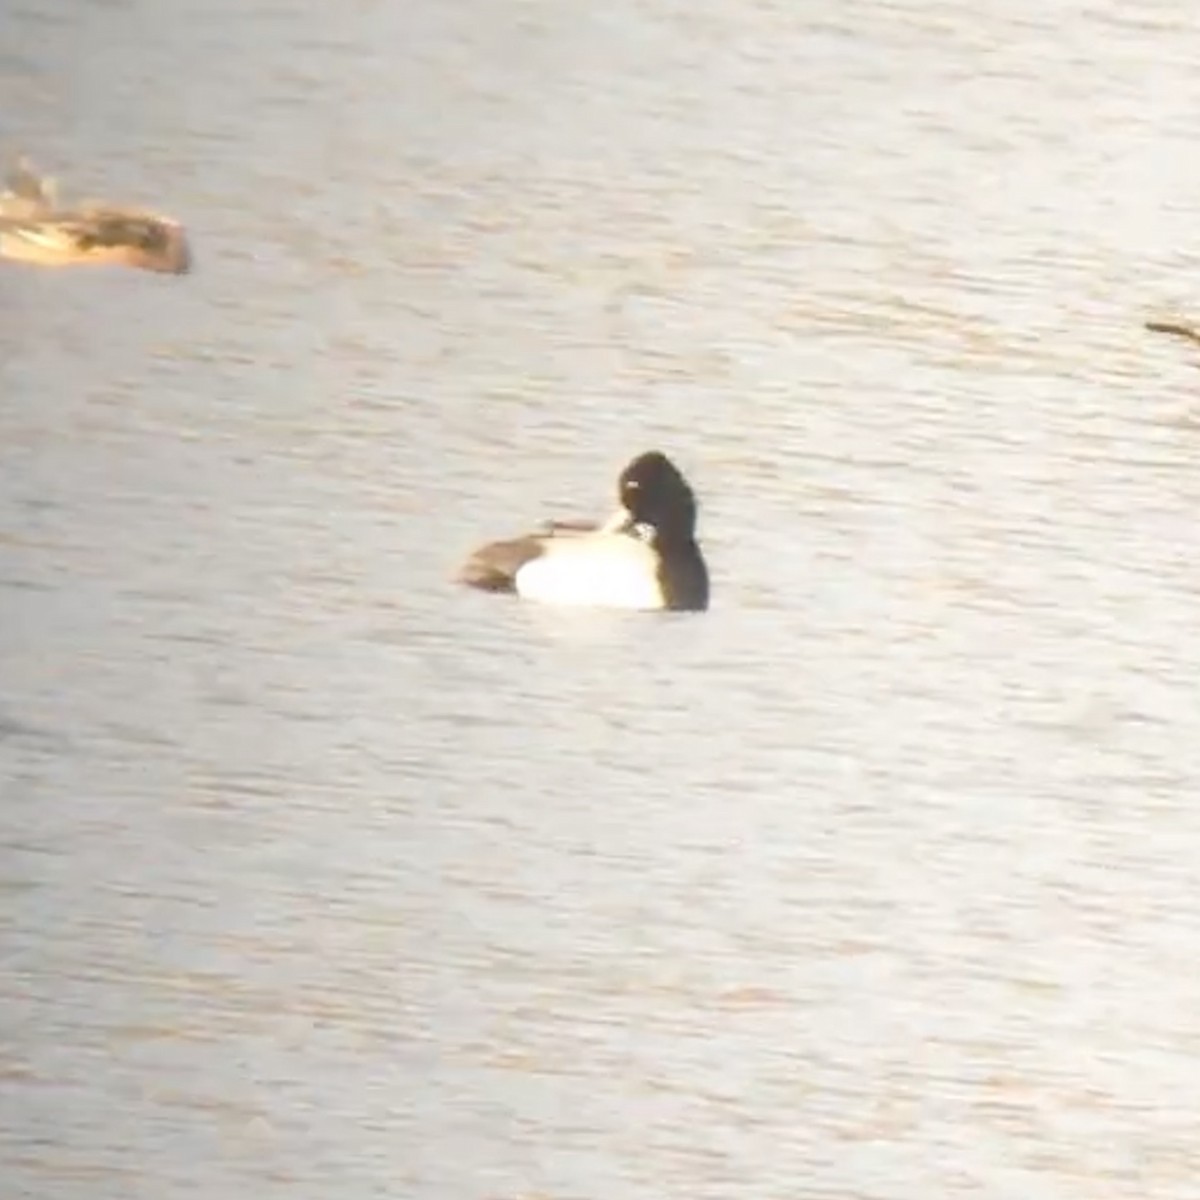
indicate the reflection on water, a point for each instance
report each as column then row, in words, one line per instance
column 324, row 876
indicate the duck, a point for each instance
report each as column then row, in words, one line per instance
column 35, row 228
column 644, row 557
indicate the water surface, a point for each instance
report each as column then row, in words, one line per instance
column 323, row 877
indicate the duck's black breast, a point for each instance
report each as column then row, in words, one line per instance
column 683, row 578
column 494, row 567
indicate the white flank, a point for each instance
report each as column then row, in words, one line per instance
column 601, row 571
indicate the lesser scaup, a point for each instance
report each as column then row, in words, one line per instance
column 644, row 557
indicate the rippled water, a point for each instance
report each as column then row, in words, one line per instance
column 325, row 878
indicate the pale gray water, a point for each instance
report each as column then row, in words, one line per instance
column 324, row 878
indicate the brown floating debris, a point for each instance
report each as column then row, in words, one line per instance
column 36, row 228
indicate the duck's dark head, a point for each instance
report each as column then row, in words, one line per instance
column 655, row 493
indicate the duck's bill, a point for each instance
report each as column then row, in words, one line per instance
column 619, row 522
